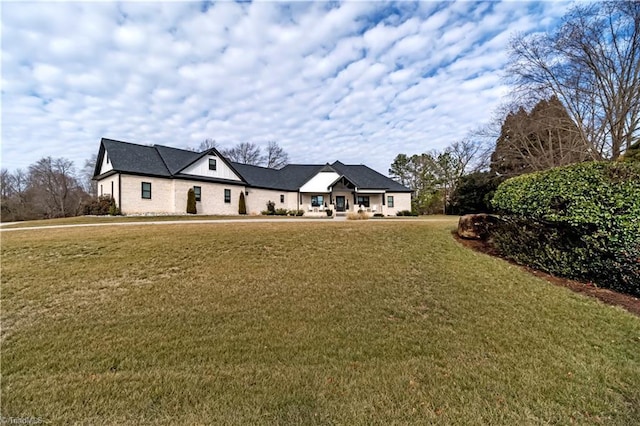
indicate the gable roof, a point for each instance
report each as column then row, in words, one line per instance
column 365, row 177
column 164, row 161
column 131, row 158
column 155, row 160
column 177, row 159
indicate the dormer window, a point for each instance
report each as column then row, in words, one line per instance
column 212, row 164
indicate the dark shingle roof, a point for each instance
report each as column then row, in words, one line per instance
column 166, row 161
column 367, row 178
column 134, row 158
column 176, row 159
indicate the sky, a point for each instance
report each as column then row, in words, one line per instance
column 359, row 82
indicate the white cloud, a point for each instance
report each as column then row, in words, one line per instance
column 358, row 82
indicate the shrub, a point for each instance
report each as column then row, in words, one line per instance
column 281, row 212
column 378, row 215
column 632, row 155
column 580, row 221
column 360, row 215
column 242, row 204
column 474, row 192
column 406, row 213
column 299, row 212
column 271, row 207
column 100, row 206
column 329, row 212
column 191, row 201
column 114, row 210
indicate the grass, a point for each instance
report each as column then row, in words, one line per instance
column 86, row 220
column 355, row 322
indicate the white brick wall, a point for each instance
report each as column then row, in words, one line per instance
column 401, row 201
column 170, row 196
column 212, row 198
column 162, row 195
column 104, row 186
column 258, row 198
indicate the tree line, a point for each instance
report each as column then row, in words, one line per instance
column 575, row 96
column 274, row 156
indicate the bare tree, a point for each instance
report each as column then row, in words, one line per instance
column 276, row 157
column 89, row 185
column 592, row 64
column 55, row 188
column 469, row 154
column 245, row 153
column 207, row 144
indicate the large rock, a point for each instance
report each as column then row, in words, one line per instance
column 476, row 226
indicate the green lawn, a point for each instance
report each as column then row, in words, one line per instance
column 369, row 322
column 87, row 220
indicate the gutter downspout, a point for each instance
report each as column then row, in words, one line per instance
column 120, row 191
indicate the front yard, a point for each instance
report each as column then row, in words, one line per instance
column 355, row 322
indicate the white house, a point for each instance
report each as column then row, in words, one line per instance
column 155, row 179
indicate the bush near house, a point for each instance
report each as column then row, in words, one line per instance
column 474, row 192
column 406, row 213
column 101, row 206
column 580, row 221
column 359, row 215
column 191, row 201
column 242, row 204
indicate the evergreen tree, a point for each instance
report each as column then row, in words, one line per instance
column 242, row 205
column 538, row 140
column 191, row 201
column 632, row 154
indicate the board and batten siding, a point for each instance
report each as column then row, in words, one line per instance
column 106, row 165
column 201, row 168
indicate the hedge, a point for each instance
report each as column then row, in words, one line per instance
column 580, row 221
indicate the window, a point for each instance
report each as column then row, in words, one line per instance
column 198, row 192
column 112, row 189
column 363, row 200
column 101, row 189
column 317, row 200
column 227, row 195
column 282, row 198
column 107, row 158
column 212, row 164
column 146, row 190
column 390, row 201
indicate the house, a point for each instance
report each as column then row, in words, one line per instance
column 156, row 179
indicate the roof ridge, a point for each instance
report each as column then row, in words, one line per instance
column 155, row 145
column 162, row 159
column 253, row 165
column 119, row 141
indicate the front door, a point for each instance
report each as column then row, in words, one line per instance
column 339, row 203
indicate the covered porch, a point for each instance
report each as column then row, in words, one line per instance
column 342, row 197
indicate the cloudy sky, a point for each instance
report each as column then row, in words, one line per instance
column 357, row 82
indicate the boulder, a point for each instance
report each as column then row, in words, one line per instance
column 476, row 226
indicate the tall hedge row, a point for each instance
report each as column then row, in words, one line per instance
column 580, row 221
